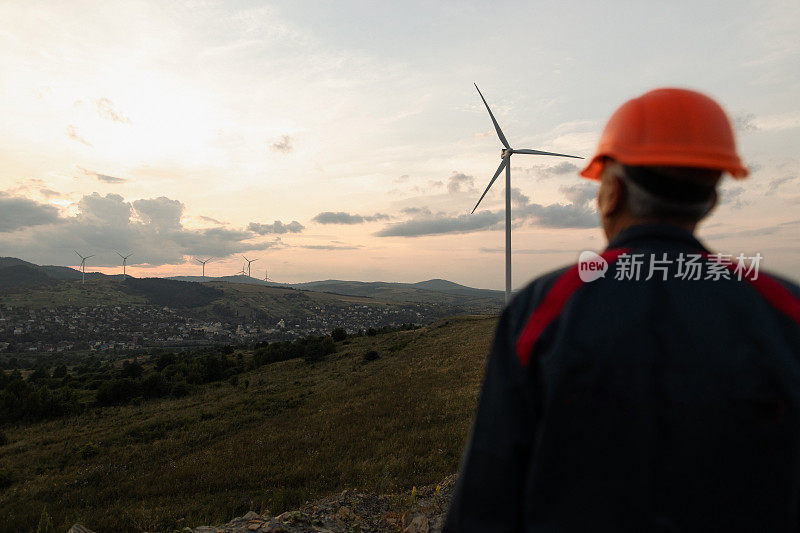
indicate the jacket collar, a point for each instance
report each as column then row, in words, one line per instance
column 655, row 232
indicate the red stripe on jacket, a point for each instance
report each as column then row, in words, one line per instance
column 770, row 289
column 552, row 304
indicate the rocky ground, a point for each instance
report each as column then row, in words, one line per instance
column 421, row 511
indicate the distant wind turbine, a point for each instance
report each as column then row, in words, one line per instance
column 204, row 266
column 248, row 264
column 124, row 262
column 505, row 155
column 266, row 275
column 83, row 265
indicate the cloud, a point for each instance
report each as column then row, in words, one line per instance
column 161, row 213
column 329, row 247
column 49, row 193
column 105, row 178
column 416, row 211
column 565, row 167
column 744, row 123
column 73, row 134
column 439, row 225
column 106, row 110
column 401, row 179
column 212, row 220
column 777, row 182
column 560, row 215
column 459, row 180
column 518, row 199
column 276, row 227
column 284, row 145
column 733, row 197
column 17, row 212
column 577, row 214
column 340, row 217
column 546, row 172
column 580, row 193
column 149, row 227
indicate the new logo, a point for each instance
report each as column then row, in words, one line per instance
column 591, row 266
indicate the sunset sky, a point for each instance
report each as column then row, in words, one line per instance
column 340, row 139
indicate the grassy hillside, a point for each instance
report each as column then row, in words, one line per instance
column 247, row 298
column 101, row 291
column 432, row 291
column 287, row 432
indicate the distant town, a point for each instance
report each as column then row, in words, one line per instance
column 136, row 327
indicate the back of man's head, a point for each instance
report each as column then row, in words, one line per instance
column 660, row 158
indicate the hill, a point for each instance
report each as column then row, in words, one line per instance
column 25, row 277
column 439, row 290
column 51, row 271
column 382, row 414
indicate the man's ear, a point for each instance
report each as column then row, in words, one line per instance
column 611, row 194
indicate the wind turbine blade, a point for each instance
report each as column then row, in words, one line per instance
column 119, row 254
column 539, row 152
column 503, row 164
column 88, row 256
column 496, row 125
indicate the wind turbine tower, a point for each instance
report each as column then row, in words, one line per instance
column 505, row 154
column 248, row 264
column 124, row 262
column 204, row 266
column 83, row 266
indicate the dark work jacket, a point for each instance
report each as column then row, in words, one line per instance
column 651, row 405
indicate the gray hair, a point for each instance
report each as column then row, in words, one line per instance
column 645, row 204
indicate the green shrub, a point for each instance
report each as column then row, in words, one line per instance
column 179, row 390
column 371, row 355
column 3, row 439
column 339, row 334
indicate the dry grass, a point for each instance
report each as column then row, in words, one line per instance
column 297, row 432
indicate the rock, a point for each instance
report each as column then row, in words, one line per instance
column 418, row 524
column 77, row 528
column 345, row 513
column 349, row 510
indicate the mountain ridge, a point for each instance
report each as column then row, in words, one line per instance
column 18, row 272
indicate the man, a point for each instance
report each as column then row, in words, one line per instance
column 661, row 396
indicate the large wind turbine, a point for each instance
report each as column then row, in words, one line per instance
column 204, row 266
column 505, row 155
column 83, row 265
column 248, row 264
column 124, row 262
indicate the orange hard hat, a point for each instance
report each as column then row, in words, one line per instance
column 669, row 127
